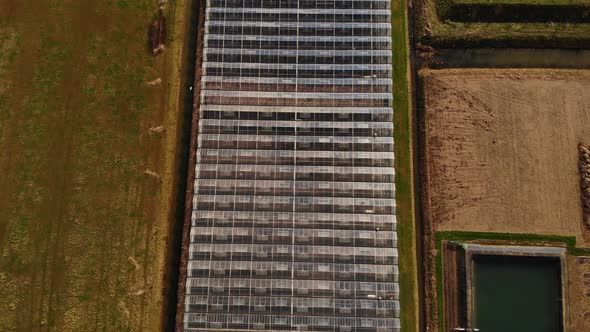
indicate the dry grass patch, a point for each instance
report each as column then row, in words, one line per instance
column 82, row 228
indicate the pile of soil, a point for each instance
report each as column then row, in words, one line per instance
column 158, row 35
column 584, row 168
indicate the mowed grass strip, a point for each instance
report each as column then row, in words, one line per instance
column 402, row 118
column 83, row 181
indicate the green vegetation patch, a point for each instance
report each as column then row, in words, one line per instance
column 403, row 168
column 504, row 23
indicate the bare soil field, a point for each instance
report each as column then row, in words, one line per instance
column 454, row 284
column 85, row 185
column 579, row 293
column 500, row 149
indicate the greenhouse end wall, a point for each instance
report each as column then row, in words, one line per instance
column 293, row 221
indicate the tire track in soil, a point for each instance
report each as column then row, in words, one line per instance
column 148, row 199
column 10, row 157
column 17, row 152
column 60, row 168
column 70, row 121
column 52, row 218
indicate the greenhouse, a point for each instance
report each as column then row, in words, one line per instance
column 293, row 221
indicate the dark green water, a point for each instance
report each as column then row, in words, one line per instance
column 517, row 294
column 511, row 58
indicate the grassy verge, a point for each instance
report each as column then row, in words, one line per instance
column 403, row 166
column 180, row 68
column 568, row 241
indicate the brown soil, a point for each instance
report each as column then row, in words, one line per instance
column 584, row 169
column 502, row 149
column 500, row 154
column 158, row 34
column 453, row 296
column 578, row 275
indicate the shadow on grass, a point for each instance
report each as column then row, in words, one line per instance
column 186, row 99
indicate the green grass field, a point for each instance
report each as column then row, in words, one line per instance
column 403, row 168
column 432, row 27
column 85, row 187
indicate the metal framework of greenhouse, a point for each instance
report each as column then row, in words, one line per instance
column 293, row 222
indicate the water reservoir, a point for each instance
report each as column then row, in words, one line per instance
column 517, row 294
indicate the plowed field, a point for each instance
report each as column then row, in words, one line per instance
column 501, row 150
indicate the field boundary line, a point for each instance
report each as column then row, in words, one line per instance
column 171, row 178
column 188, row 200
column 404, row 177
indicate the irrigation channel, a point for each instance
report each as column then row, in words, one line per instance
column 186, row 100
column 510, row 58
